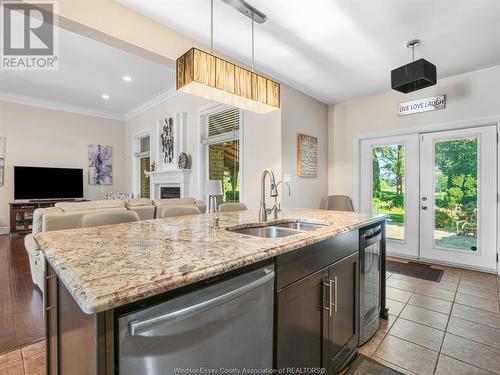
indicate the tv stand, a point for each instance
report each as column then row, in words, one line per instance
column 21, row 213
column 56, row 200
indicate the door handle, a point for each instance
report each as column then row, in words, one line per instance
column 136, row 327
column 424, row 208
column 335, row 298
column 327, row 284
column 332, row 303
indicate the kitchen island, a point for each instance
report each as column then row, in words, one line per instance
column 97, row 275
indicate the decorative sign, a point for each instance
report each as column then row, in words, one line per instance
column 307, row 155
column 422, row 105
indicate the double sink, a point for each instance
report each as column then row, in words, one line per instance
column 277, row 230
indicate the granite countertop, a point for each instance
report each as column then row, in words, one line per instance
column 112, row 265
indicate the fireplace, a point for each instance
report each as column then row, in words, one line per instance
column 170, row 183
column 170, row 192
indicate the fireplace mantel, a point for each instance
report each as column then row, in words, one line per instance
column 170, row 178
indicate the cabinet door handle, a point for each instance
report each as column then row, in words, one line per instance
column 335, row 299
column 328, row 306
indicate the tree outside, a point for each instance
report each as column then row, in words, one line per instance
column 224, row 165
column 388, row 187
column 455, row 191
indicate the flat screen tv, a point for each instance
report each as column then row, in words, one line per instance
column 47, row 183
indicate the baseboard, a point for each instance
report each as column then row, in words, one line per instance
column 442, row 263
column 4, row 230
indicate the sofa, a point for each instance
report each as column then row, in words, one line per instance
column 67, row 215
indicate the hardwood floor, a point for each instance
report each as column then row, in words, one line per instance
column 21, row 303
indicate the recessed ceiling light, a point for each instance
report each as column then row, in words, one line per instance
column 105, row 96
column 127, row 78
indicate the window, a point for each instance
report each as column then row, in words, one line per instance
column 389, row 187
column 221, row 142
column 142, row 157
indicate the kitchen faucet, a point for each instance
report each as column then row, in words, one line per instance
column 276, row 197
column 263, row 211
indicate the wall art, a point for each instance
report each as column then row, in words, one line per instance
column 100, row 165
column 307, row 156
column 172, row 140
column 167, row 140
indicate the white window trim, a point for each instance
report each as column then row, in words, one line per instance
column 136, row 181
column 203, row 145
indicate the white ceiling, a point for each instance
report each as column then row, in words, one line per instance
column 335, row 50
column 88, row 69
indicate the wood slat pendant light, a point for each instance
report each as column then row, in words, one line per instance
column 203, row 74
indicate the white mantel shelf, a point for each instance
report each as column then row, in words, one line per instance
column 170, row 178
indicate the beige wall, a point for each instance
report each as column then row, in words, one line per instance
column 470, row 95
column 261, row 149
column 303, row 114
column 49, row 138
column 261, row 143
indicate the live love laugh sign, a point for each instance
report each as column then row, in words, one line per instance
column 422, row 105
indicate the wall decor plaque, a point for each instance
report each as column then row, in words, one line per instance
column 422, row 105
column 307, row 156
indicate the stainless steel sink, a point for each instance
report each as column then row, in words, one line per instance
column 301, row 225
column 266, row 231
column 276, row 230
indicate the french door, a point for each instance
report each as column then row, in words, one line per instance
column 389, row 185
column 439, row 190
column 458, row 196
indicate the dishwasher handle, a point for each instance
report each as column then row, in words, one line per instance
column 136, row 327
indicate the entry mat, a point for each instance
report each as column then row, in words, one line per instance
column 363, row 365
column 418, row 270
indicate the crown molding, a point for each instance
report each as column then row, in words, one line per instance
column 35, row 102
column 153, row 101
column 162, row 96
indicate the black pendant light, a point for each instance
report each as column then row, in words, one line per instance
column 415, row 75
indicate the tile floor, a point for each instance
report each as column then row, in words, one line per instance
column 446, row 328
column 29, row 360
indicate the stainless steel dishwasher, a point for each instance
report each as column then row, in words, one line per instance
column 228, row 324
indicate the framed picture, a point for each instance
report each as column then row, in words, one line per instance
column 307, row 156
column 100, row 165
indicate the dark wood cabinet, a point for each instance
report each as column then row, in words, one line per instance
column 76, row 343
column 342, row 288
column 21, row 213
column 317, row 320
column 302, row 322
